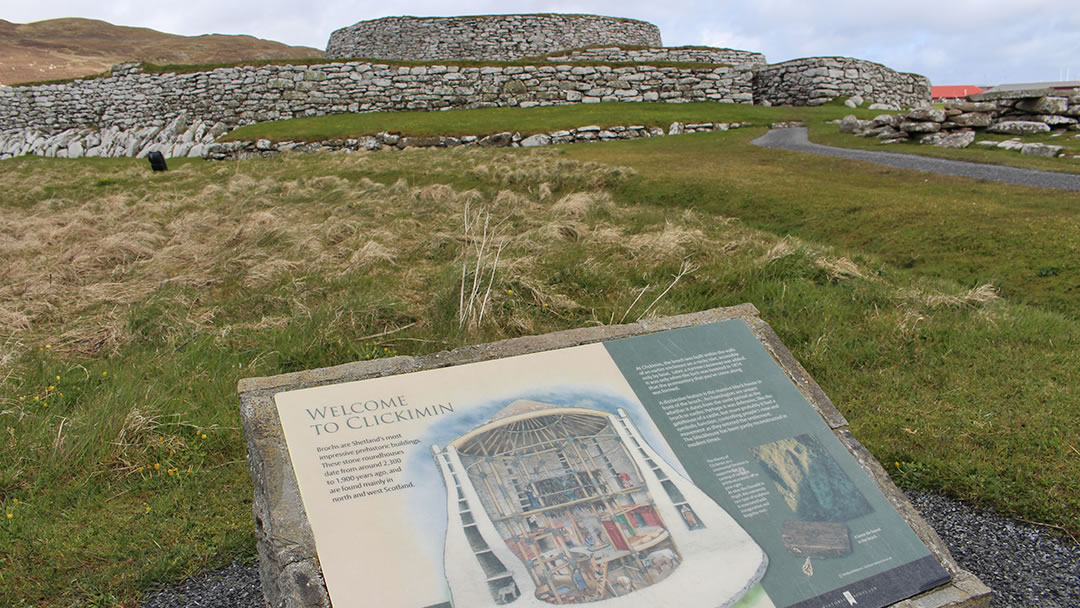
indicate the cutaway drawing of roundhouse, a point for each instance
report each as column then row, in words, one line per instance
column 566, row 505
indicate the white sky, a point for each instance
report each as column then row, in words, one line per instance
column 951, row 42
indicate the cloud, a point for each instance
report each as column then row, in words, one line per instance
column 962, row 41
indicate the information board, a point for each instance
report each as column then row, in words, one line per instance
column 676, row 468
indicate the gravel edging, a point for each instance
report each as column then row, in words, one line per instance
column 234, row 586
column 1026, row 565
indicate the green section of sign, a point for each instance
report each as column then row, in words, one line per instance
column 755, row 445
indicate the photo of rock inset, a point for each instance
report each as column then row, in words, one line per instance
column 552, row 504
column 818, row 492
column 812, row 483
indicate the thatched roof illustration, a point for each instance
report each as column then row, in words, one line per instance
column 530, row 426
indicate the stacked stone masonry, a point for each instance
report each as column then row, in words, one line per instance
column 139, row 106
column 131, row 113
column 673, row 54
column 817, row 80
column 233, row 150
column 1024, row 112
column 488, row 37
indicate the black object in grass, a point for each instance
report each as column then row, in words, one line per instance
column 157, row 161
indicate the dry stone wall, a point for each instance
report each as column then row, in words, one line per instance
column 1025, row 112
column 142, row 111
column 489, row 37
column 233, row 150
column 817, row 80
column 687, row 54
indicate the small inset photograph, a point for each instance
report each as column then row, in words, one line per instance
column 811, row 482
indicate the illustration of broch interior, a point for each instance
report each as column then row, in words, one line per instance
column 550, row 505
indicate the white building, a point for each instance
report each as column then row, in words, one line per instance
column 555, row 505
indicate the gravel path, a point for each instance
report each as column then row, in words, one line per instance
column 1025, row 565
column 794, row 138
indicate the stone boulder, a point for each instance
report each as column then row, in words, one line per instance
column 851, row 124
column 1074, row 106
column 914, row 126
column 932, row 139
column 854, row 101
column 878, row 131
column 1044, row 105
column 971, row 106
column 973, row 119
column 498, row 140
column 891, row 120
column 532, row 141
column 927, row 114
column 961, row 139
column 1019, row 127
column 885, row 106
column 1055, row 120
column 1044, row 150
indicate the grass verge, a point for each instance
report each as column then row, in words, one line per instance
column 829, row 135
column 493, row 120
column 545, row 119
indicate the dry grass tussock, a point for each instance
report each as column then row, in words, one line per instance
column 836, row 268
column 976, row 297
column 672, row 240
column 72, row 267
column 69, row 269
column 578, row 204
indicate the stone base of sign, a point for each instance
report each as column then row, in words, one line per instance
column 289, row 567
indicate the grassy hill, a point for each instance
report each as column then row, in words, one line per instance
column 72, row 47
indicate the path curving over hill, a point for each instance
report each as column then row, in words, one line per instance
column 796, row 139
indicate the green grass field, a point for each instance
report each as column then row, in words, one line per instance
column 940, row 314
column 545, row 119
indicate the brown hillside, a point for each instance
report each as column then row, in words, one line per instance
column 69, row 48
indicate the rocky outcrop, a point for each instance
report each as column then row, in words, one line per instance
column 178, row 138
column 817, row 80
column 1032, row 112
column 487, row 37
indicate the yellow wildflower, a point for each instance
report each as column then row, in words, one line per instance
column 104, row 373
column 157, row 466
column 204, row 435
column 10, row 515
column 14, row 501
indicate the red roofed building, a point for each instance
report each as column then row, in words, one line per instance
column 953, row 91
